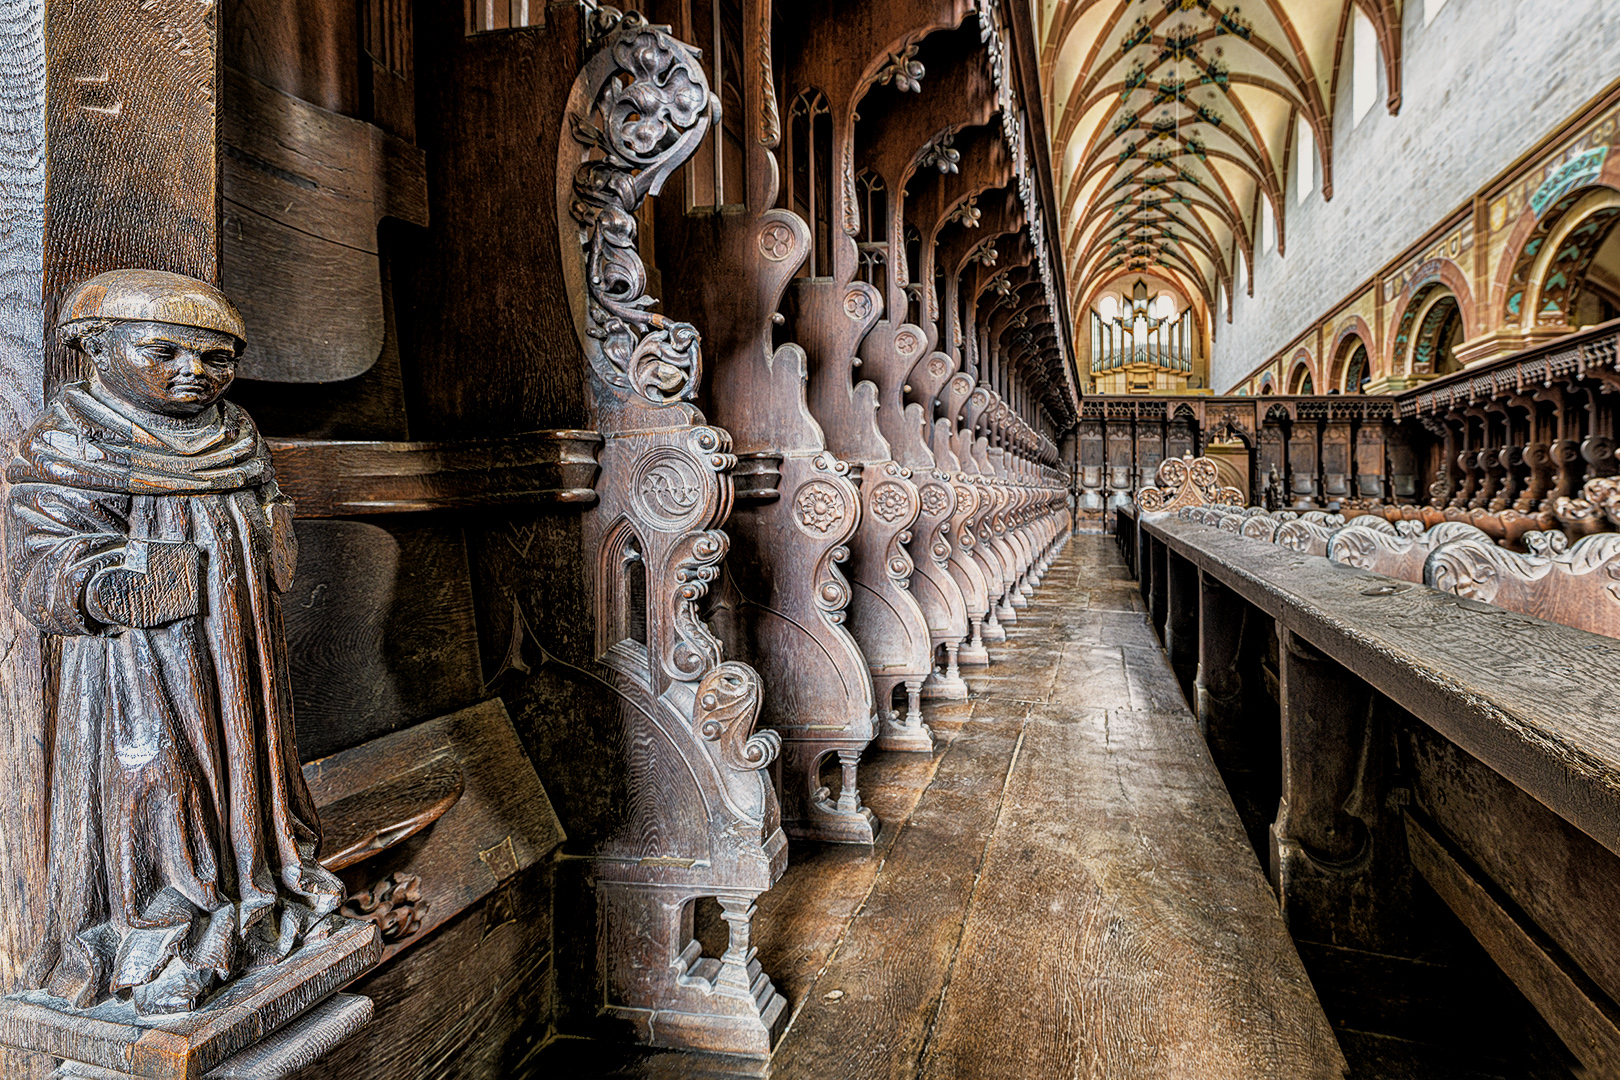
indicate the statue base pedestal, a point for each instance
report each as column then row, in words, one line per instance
column 113, row 1041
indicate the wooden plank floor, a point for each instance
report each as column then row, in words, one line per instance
column 1062, row 889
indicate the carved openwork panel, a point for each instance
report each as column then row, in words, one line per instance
column 1186, row 481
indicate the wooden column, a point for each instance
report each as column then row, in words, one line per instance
column 1158, row 585
column 131, row 145
column 1219, row 689
column 1319, row 848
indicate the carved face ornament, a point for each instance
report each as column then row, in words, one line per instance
column 162, row 368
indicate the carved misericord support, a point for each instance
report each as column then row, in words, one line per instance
column 704, row 818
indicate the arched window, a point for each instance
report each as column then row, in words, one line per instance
column 1364, row 67
column 1299, row 380
column 1305, row 160
column 873, row 239
column 807, row 175
column 716, row 174
column 1108, row 306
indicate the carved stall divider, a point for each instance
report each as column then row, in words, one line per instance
column 783, row 598
column 705, row 821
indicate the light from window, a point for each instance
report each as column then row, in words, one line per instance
column 484, row 16
column 1431, row 8
column 1108, row 307
column 1164, row 307
column 1268, row 225
column 1305, row 155
column 1364, row 71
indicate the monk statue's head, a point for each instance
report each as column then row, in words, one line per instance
column 163, row 342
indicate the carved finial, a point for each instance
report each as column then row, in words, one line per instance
column 966, row 214
column 941, row 154
column 652, row 107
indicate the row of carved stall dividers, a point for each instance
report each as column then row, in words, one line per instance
column 1303, row 452
column 1511, row 444
column 849, row 428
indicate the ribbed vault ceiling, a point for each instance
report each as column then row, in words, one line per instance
column 1171, row 119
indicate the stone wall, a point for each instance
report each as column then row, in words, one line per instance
column 1481, row 84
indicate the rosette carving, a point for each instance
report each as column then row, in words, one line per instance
column 648, row 108
column 890, row 503
column 820, row 506
column 727, row 707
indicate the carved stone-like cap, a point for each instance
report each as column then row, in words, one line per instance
column 151, row 296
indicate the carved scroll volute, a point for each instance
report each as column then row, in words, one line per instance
column 639, row 109
column 893, row 499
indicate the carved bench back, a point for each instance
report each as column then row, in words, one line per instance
column 1577, row 585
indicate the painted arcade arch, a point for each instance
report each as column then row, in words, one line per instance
column 1268, row 385
column 1558, row 275
column 1300, row 380
column 1545, row 266
column 1351, row 346
column 1431, row 281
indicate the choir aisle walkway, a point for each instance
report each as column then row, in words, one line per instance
column 1062, row 890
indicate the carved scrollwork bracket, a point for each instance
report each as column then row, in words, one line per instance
column 639, row 110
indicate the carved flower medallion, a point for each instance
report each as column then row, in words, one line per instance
column 820, row 506
column 857, row 305
column 934, row 499
column 889, row 502
column 776, row 242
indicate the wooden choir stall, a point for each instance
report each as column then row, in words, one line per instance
column 621, row 421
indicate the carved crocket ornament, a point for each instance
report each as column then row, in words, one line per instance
column 1186, row 481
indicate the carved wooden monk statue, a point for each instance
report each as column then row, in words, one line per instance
column 147, row 531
